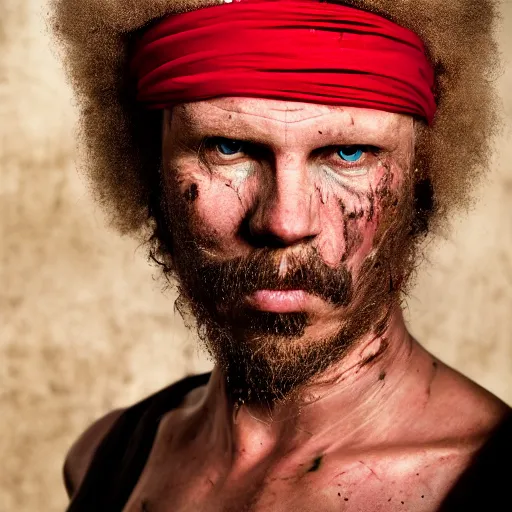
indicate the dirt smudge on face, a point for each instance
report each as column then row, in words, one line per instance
column 356, row 214
column 354, row 237
column 384, row 186
column 352, row 234
column 192, row 193
column 371, row 210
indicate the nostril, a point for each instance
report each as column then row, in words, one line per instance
column 259, row 240
column 267, row 239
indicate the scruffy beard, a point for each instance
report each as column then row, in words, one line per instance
column 265, row 356
column 269, row 357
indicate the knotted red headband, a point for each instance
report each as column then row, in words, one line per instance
column 303, row 50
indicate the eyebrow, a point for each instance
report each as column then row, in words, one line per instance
column 324, row 141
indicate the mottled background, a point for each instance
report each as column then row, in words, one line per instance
column 85, row 327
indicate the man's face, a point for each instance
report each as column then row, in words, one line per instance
column 283, row 216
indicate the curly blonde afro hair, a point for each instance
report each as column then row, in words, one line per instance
column 122, row 140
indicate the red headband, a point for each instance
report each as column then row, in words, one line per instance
column 303, row 50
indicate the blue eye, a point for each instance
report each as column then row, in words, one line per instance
column 351, row 153
column 230, row 147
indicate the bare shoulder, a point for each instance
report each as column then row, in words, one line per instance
column 476, row 428
column 464, row 406
column 80, row 454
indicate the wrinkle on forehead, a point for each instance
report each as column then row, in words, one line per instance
column 280, row 111
column 281, row 116
column 306, row 124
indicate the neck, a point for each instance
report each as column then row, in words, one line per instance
column 351, row 403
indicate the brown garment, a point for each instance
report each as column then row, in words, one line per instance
column 120, row 458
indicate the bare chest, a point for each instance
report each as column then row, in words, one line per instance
column 412, row 483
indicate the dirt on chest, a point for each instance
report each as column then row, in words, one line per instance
column 319, row 486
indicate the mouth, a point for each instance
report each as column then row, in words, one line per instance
column 280, row 301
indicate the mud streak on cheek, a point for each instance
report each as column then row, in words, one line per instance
column 352, row 225
column 371, row 210
column 383, row 189
column 353, row 237
column 361, row 211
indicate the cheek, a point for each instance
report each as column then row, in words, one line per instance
column 212, row 209
column 362, row 209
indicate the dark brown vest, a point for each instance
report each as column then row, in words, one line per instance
column 120, row 458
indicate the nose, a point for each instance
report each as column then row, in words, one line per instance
column 287, row 208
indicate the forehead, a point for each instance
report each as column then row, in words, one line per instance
column 261, row 118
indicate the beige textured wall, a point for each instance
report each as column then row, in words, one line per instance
column 84, row 327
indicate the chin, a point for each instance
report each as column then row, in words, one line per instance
column 264, row 367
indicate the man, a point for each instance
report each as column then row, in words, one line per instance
column 285, row 159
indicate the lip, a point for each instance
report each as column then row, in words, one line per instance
column 280, row 301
